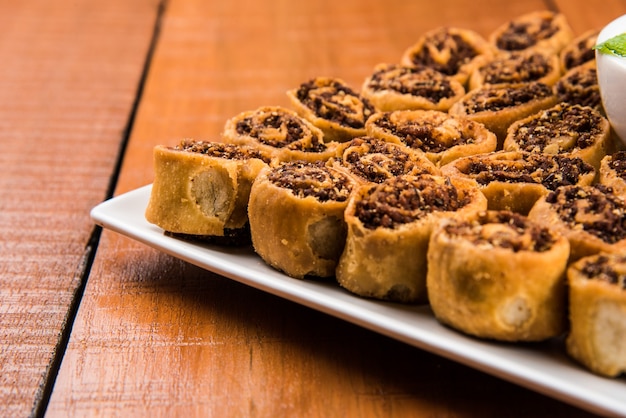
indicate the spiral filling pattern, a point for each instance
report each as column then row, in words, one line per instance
column 594, row 209
column 312, row 179
column 405, row 199
column 280, row 130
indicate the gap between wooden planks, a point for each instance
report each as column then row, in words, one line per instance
column 156, row 336
column 68, row 80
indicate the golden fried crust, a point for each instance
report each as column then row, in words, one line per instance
column 442, row 137
column 579, row 51
column 394, row 87
column 515, row 180
column 497, row 106
column 591, row 217
column 541, row 29
column 580, row 86
column 500, row 277
column 198, row 194
column 597, row 311
column 613, row 172
column 279, row 132
column 375, row 160
column 570, row 130
column 449, row 50
column 517, row 67
column 332, row 106
column 296, row 218
column 388, row 231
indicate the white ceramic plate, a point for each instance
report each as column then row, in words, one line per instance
column 540, row 367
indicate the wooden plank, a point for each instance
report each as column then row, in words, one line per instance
column 584, row 16
column 216, row 60
column 68, row 80
column 157, row 336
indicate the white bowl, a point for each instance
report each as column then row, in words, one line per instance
column 612, row 78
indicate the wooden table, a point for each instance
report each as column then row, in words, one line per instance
column 95, row 324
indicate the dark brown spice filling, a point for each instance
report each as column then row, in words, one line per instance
column 312, row 179
column 420, row 82
column 618, row 164
column 495, row 98
column 581, row 124
column 595, row 208
column 583, row 52
column 264, row 128
column 516, row 232
column 601, row 268
column 419, row 134
column 547, row 170
column 325, row 100
column 580, row 87
column 405, row 199
column 377, row 160
column 517, row 68
column 522, row 35
column 221, row 150
column 460, row 52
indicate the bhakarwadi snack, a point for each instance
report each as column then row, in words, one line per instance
column 597, row 310
column 332, row 106
column 201, row 190
column 515, row 180
column 613, row 172
column 593, row 218
column 580, row 86
column 541, row 30
column 280, row 132
column 395, row 87
column 375, row 160
column 579, row 51
column 500, row 276
column 571, row 130
column 497, row 106
column 440, row 136
column 517, row 67
column 449, row 50
column 296, row 217
column 389, row 225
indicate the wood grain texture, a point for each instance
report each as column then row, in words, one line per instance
column 584, row 16
column 156, row 336
column 68, row 80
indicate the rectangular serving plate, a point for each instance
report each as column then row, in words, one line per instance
column 542, row 367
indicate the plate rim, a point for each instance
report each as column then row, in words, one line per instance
column 413, row 325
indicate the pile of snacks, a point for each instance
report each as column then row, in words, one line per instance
column 478, row 175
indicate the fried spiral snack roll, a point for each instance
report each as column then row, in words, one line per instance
column 499, row 277
column 541, row 29
column 201, row 190
column 515, row 180
column 517, row 67
column 593, row 218
column 280, row 132
column 497, row 106
column 449, row 50
column 613, row 172
column 332, row 106
column 389, row 225
column 580, row 86
column 597, row 311
column 395, row 87
column 579, row 51
column 442, row 137
column 572, row 130
column 296, row 217
column 375, row 160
